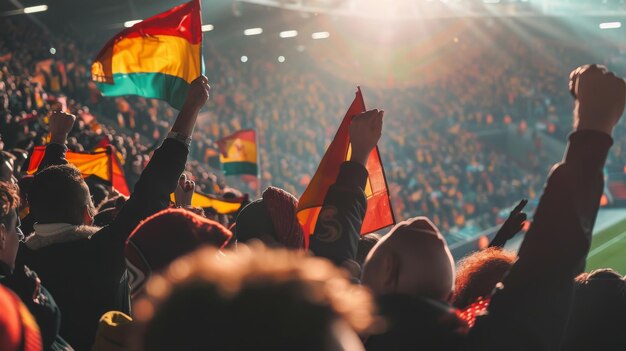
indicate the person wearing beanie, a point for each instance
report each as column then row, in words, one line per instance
column 114, row 331
column 165, row 236
column 411, row 271
column 271, row 219
column 531, row 308
column 18, row 329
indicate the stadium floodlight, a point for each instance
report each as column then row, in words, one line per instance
column 610, row 25
column 38, row 8
column 129, row 24
column 244, row 59
column 288, row 34
column 320, row 35
column 281, row 59
column 253, row 31
column 207, row 27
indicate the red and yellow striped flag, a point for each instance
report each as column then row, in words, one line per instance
column 156, row 58
column 101, row 163
column 379, row 213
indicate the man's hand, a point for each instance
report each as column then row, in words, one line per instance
column 365, row 131
column 197, row 96
column 511, row 226
column 600, row 98
column 198, row 93
column 60, row 125
column 184, row 191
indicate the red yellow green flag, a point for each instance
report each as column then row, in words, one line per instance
column 379, row 213
column 156, row 58
column 101, row 163
column 238, row 153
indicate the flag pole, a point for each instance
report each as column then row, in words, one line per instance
column 111, row 152
column 258, row 162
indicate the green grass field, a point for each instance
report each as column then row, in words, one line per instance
column 608, row 249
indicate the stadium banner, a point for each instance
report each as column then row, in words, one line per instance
column 379, row 212
column 238, row 153
column 156, row 58
column 101, row 163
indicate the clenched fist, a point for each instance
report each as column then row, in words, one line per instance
column 184, row 191
column 600, row 98
column 365, row 131
column 60, row 125
column 198, row 93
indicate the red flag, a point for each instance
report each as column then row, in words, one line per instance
column 379, row 213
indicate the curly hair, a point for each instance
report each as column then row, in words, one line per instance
column 9, row 200
column 479, row 273
column 276, row 298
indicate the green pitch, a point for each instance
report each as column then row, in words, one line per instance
column 608, row 249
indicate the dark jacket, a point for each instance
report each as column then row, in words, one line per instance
column 415, row 323
column 338, row 226
column 26, row 284
column 532, row 310
column 83, row 267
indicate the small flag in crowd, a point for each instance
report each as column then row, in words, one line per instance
column 238, row 153
column 101, row 163
column 156, row 58
column 379, row 213
column 220, row 205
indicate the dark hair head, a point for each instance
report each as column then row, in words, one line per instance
column 273, row 299
column 597, row 318
column 59, row 194
column 366, row 243
column 479, row 273
column 9, row 201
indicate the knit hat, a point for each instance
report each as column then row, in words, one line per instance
column 18, row 328
column 113, row 331
column 165, row 236
column 274, row 214
column 423, row 265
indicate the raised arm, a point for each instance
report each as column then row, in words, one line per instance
column 531, row 311
column 160, row 177
column 60, row 125
column 338, row 226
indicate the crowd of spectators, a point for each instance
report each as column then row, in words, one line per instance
column 84, row 268
column 436, row 160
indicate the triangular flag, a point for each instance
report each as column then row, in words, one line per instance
column 379, row 213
